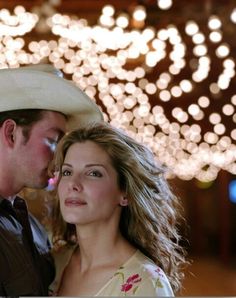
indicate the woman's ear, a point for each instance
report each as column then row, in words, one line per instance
column 124, row 202
column 8, row 129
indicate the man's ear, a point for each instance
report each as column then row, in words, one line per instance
column 8, row 129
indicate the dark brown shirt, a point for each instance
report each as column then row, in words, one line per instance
column 26, row 266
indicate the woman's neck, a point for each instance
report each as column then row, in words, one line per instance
column 101, row 247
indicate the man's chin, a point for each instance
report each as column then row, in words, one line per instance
column 42, row 184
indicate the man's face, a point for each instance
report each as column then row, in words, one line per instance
column 34, row 156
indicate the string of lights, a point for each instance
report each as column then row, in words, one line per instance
column 133, row 71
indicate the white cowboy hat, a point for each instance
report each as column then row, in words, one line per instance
column 42, row 87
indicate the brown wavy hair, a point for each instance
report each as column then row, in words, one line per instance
column 151, row 220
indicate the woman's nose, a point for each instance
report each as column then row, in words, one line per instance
column 75, row 185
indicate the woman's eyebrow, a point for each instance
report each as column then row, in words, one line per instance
column 95, row 164
column 67, row 164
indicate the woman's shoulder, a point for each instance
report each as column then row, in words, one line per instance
column 148, row 266
column 151, row 278
column 62, row 255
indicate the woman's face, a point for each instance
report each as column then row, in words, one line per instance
column 88, row 189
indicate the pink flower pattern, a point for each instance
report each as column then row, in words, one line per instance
column 133, row 279
column 160, row 272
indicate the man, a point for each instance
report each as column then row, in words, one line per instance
column 35, row 107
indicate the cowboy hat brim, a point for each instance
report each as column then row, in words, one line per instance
column 27, row 88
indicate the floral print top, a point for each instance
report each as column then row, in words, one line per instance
column 138, row 276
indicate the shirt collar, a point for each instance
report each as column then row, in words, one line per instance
column 10, row 199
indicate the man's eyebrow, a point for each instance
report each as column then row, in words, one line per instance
column 60, row 132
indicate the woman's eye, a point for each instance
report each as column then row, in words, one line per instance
column 66, row 173
column 95, row 174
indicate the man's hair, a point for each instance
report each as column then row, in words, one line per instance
column 24, row 118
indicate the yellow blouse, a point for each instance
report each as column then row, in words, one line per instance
column 138, row 276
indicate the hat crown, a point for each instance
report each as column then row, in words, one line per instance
column 42, row 87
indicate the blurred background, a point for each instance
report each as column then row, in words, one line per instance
column 163, row 70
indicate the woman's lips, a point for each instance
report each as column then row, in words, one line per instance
column 74, row 202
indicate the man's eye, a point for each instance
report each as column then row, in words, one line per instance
column 52, row 144
column 66, row 173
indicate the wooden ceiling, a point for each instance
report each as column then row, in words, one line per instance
column 92, row 8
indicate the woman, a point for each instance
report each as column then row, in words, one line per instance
column 119, row 218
